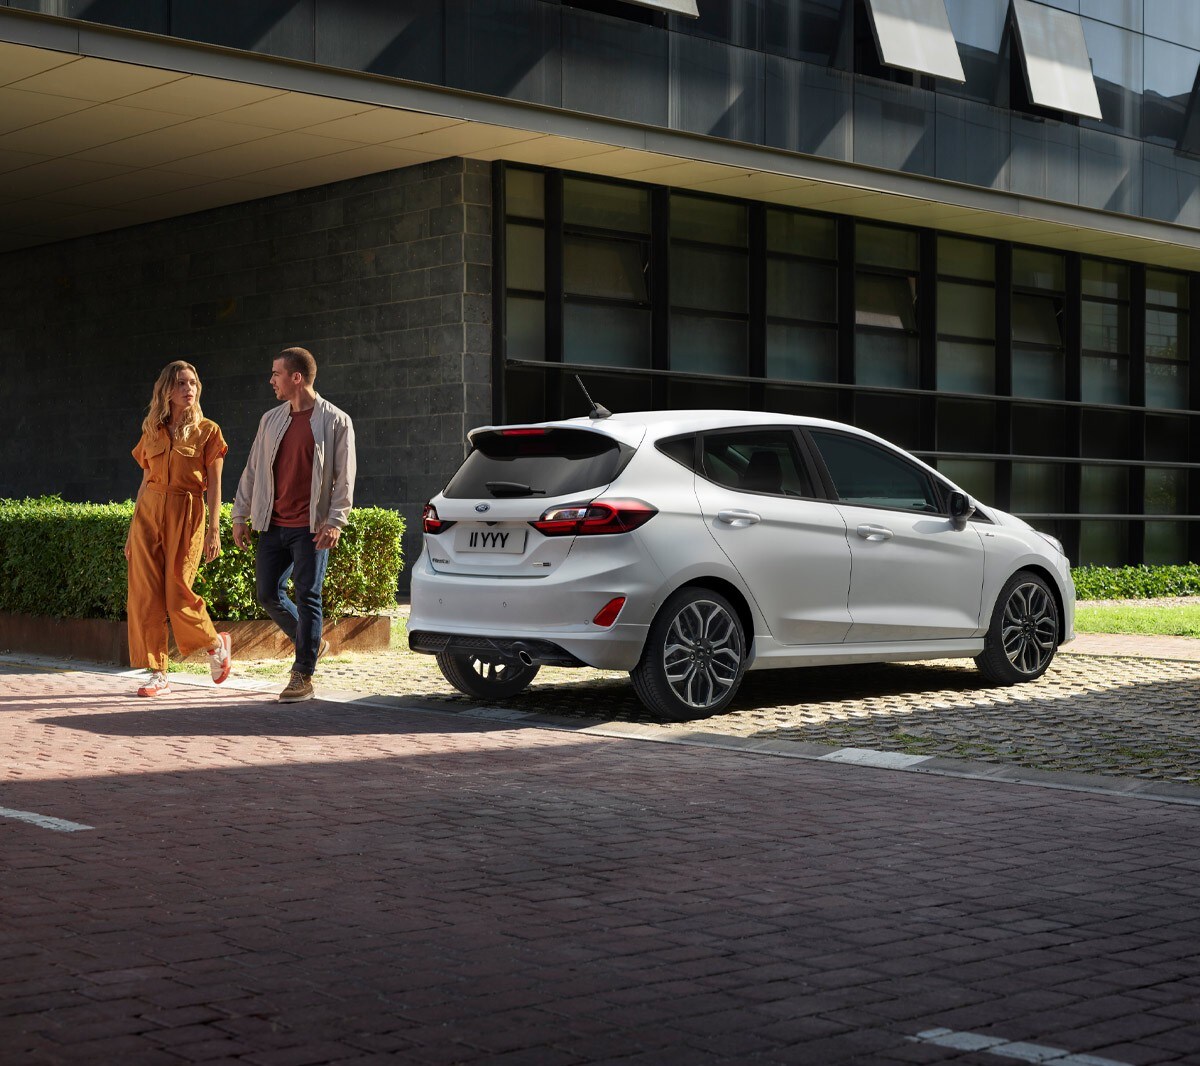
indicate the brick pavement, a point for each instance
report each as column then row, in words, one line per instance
column 329, row 883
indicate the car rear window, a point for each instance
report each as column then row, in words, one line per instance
column 510, row 464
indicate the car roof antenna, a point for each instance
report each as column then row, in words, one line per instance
column 598, row 410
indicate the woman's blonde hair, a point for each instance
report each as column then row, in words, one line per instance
column 159, row 411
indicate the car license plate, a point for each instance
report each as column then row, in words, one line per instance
column 495, row 541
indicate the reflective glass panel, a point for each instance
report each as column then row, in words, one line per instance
column 966, row 259
column 885, row 359
column 525, row 193
column 1038, row 430
column 1166, row 490
column 1167, row 384
column 1055, row 58
column 1038, row 374
column 1116, row 56
column 1166, row 438
column 1106, row 435
column 886, row 247
column 1105, row 379
column 801, row 234
column 915, row 35
column 711, row 221
column 966, row 310
column 964, row 426
column 1166, row 289
column 801, row 290
column 525, row 257
column 1103, row 543
column 702, row 345
column 525, row 328
column 1038, row 270
column 1037, row 488
column 1165, row 543
column 1101, row 278
column 1105, row 327
column 1037, row 320
column 963, row 367
column 886, row 301
column 1169, row 76
column 895, row 418
column 801, row 353
column 606, row 206
column 708, row 279
column 605, row 335
column 976, row 477
column 612, row 269
column 1104, row 490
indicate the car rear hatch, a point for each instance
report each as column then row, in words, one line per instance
column 511, row 478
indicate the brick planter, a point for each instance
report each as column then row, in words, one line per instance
column 101, row 640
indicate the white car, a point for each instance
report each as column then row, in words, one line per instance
column 688, row 547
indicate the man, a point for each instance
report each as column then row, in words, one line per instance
column 297, row 491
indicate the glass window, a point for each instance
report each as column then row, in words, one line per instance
column 1104, row 490
column 819, row 403
column 966, row 310
column 525, row 193
column 705, row 345
column 888, row 359
column 1165, row 543
column 863, row 473
column 976, row 477
column 1166, row 290
column 1116, row 56
column 979, row 30
column 1166, row 491
column 1166, row 438
column 966, row 367
column 710, row 221
column 708, row 278
column 1038, row 270
column 717, row 89
column 681, row 449
column 755, row 460
column 915, row 35
column 612, row 269
column 606, row 335
column 1174, row 20
column 1167, row 348
column 1038, row 430
column 801, row 353
column 1055, row 58
column 1038, row 374
column 965, row 426
column 1107, row 435
column 896, row 418
column 1037, row 488
column 885, row 246
column 801, row 234
column 525, row 328
column 1105, row 279
column 525, row 257
column 966, row 259
column 798, row 289
column 1105, row 327
column 602, row 205
column 611, row 66
column 803, row 29
column 886, row 301
column 1103, row 543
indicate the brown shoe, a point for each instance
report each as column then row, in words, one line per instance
column 298, row 688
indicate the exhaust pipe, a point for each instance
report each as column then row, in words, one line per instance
column 523, row 655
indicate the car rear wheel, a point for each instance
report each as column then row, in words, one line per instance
column 485, row 679
column 694, row 658
column 1023, row 636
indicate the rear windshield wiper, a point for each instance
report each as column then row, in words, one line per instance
column 512, row 488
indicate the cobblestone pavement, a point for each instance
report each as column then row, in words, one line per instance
column 212, row 877
column 1122, row 714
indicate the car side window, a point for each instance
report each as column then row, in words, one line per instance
column 864, row 473
column 756, row 460
column 681, row 449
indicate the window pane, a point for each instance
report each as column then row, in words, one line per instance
column 765, row 460
column 606, row 336
column 1166, row 335
column 1166, row 438
column 1103, row 543
column 525, row 193
column 801, row 290
column 525, row 328
column 864, row 473
column 801, row 353
column 1166, row 491
column 895, row 418
column 1105, row 379
column 708, row 345
column 1110, row 280
column 966, row 259
column 708, row 279
column 886, row 301
column 1107, row 435
column 1166, row 384
column 606, row 206
column 1038, row 374
column 1037, row 320
column 613, row 269
column 1105, row 327
column 885, row 359
column 885, row 247
column 714, row 221
column 1038, row 270
column 525, row 257
column 1104, row 490
column 800, row 234
column 963, row 426
column 819, row 403
column 966, row 310
column 1037, row 488
column 974, row 476
column 1038, row 430
column 1168, row 289
column 966, row 367
column 1166, row 543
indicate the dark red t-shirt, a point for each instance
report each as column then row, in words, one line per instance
column 293, row 473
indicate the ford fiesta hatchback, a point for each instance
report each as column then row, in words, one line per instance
column 688, row 547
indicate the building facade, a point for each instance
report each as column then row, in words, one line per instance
column 971, row 226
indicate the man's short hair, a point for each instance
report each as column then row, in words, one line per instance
column 301, row 361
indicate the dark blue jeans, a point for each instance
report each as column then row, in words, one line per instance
column 284, row 553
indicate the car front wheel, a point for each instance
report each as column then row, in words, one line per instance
column 485, row 679
column 1023, row 636
column 694, row 658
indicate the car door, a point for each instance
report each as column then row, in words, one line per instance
column 913, row 575
column 790, row 547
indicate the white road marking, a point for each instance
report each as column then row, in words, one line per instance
column 59, row 825
column 1010, row 1049
column 887, row 760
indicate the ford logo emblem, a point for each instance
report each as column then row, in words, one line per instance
column 481, row 507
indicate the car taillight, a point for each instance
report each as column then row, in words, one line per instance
column 608, row 613
column 524, row 432
column 430, row 521
column 597, row 517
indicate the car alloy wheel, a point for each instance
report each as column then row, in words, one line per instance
column 694, row 658
column 1023, row 636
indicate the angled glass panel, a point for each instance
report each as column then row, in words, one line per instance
column 915, row 35
column 673, row 7
column 1054, row 57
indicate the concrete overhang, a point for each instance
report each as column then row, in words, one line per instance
column 102, row 129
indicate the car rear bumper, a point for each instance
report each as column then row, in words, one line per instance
column 494, row 649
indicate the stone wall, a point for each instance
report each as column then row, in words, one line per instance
column 386, row 279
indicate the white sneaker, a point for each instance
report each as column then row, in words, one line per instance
column 220, row 658
column 156, row 686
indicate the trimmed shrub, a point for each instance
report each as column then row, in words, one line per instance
column 1135, row 582
column 67, row 560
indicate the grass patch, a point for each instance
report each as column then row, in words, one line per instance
column 1181, row 621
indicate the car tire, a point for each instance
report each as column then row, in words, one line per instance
column 694, row 658
column 1023, row 636
column 485, row 679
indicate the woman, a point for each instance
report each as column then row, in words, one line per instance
column 181, row 454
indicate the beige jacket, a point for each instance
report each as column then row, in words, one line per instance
column 334, row 465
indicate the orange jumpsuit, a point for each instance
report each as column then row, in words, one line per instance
column 166, row 542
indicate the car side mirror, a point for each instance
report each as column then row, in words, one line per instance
column 961, row 509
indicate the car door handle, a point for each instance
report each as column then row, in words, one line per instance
column 738, row 518
column 875, row 532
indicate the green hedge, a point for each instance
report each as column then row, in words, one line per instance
column 1135, row 582
column 67, row 560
